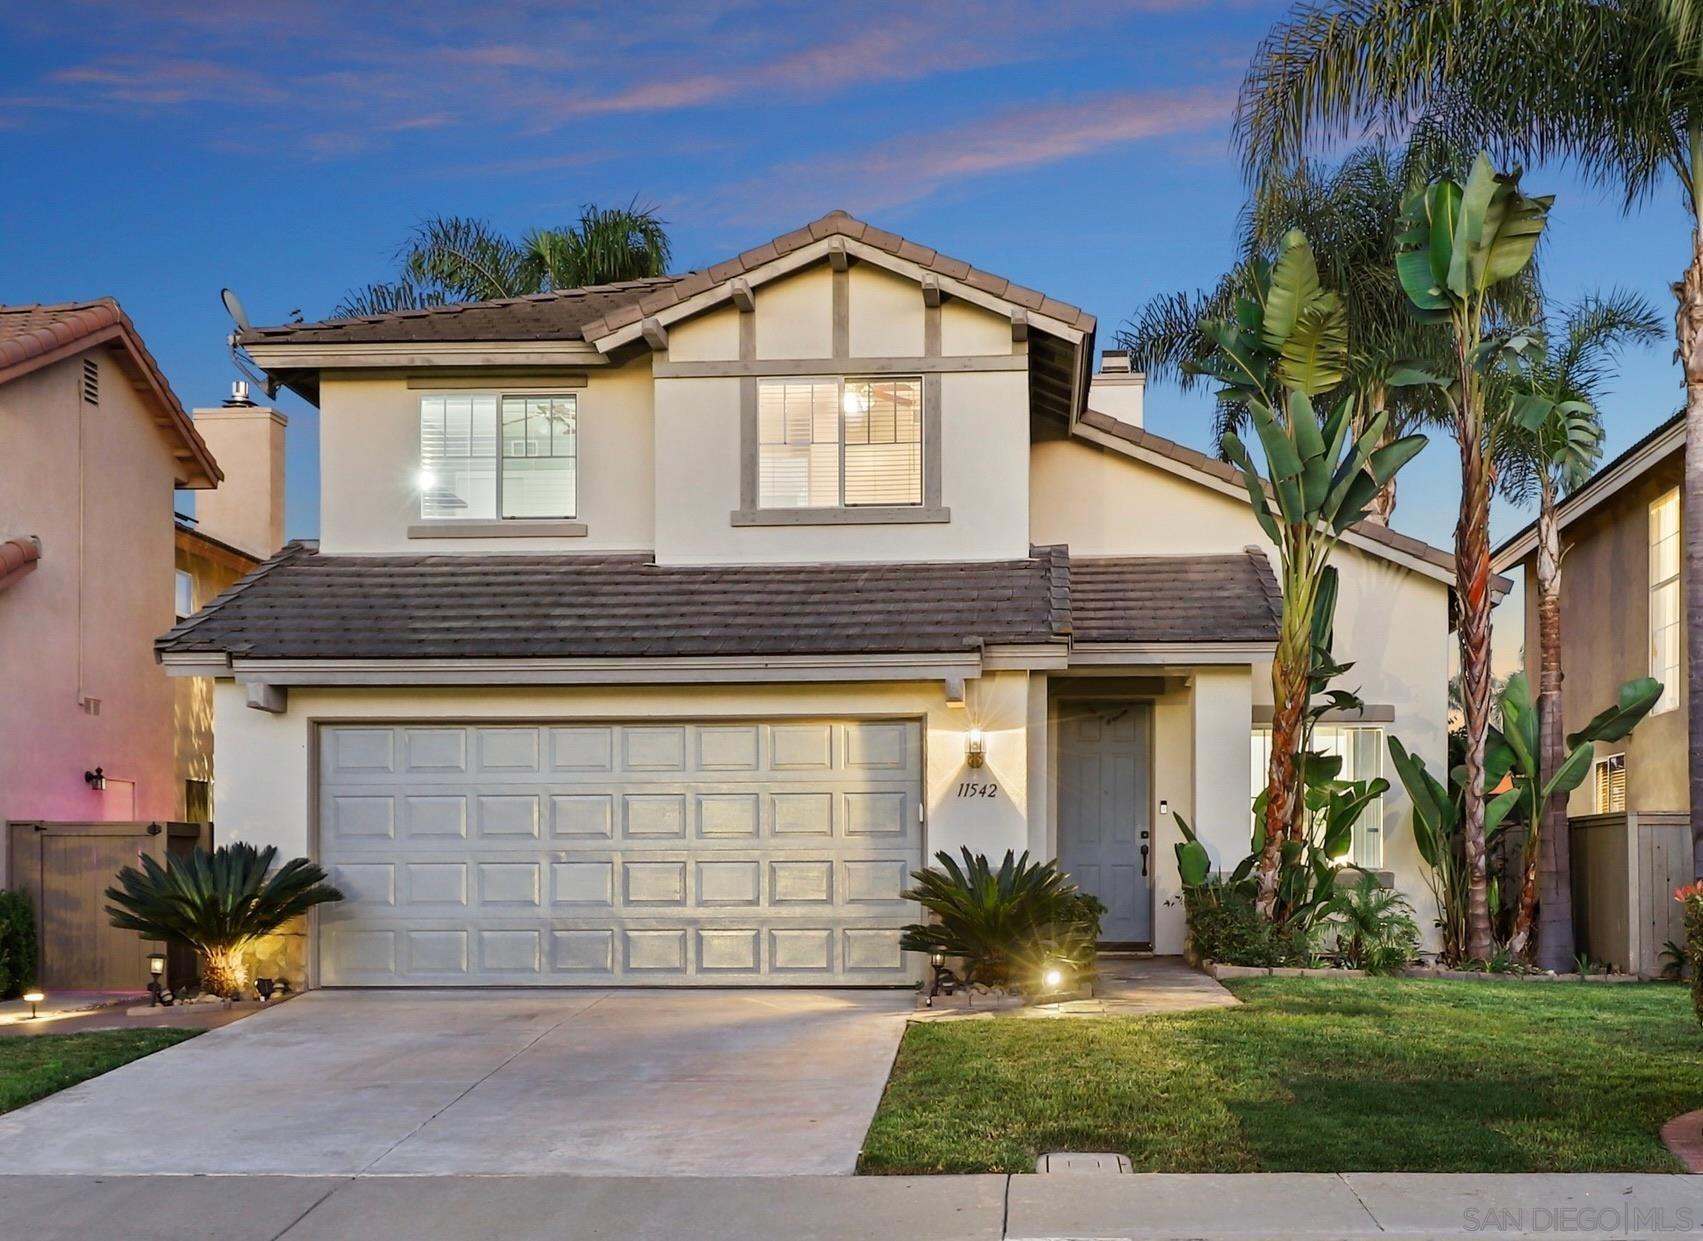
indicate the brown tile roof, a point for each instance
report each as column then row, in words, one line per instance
column 586, row 314
column 34, row 336
column 303, row 605
column 1182, row 599
column 17, row 557
column 1199, row 462
column 545, row 316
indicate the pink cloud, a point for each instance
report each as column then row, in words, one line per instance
column 913, row 166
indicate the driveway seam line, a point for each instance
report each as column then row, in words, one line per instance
column 1347, row 1184
column 508, row 1060
column 344, row 1183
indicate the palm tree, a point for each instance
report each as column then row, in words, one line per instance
column 218, row 903
column 1351, row 215
column 457, row 259
column 1552, row 447
column 1616, row 86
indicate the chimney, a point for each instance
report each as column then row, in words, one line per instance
column 1117, row 390
column 246, row 510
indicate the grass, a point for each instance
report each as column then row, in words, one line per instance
column 1309, row 1075
column 35, row 1066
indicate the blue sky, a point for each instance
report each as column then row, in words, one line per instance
column 158, row 152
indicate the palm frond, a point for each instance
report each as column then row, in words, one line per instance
column 219, row 899
column 464, row 259
column 384, row 297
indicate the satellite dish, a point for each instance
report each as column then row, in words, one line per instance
column 239, row 357
column 233, row 307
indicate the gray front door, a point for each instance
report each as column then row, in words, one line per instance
column 1104, row 837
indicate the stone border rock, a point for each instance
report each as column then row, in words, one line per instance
column 1683, row 1136
column 1222, row 972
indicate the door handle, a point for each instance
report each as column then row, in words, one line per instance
column 1144, row 861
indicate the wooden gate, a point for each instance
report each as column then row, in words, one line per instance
column 67, row 868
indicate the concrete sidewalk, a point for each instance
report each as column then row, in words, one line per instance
column 1395, row 1207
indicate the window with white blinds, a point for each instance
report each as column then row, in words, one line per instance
column 1361, row 750
column 484, row 456
column 839, row 443
column 1610, row 773
column 1666, row 632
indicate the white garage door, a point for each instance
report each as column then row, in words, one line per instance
column 640, row 854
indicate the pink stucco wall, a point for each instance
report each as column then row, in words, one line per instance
column 94, row 483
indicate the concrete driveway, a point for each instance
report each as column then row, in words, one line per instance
column 611, row 1083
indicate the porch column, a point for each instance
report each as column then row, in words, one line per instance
column 1202, row 753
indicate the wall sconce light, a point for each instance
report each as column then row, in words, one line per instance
column 975, row 748
column 945, row 980
column 96, row 779
column 156, row 976
column 32, row 998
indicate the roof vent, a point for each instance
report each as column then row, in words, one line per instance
column 238, row 399
column 91, row 382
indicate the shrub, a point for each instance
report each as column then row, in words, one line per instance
column 1373, row 927
column 1006, row 925
column 1225, row 926
column 218, row 903
column 1691, row 897
column 18, row 957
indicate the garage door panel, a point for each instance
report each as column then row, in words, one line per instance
column 646, row 854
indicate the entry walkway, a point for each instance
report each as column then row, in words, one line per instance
column 1128, row 987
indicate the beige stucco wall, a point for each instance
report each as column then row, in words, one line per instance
column 1605, row 636
column 95, row 485
column 1391, row 622
column 369, row 454
column 984, row 428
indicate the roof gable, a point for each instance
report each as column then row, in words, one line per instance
column 36, row 336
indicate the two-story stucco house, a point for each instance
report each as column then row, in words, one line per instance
column 657, row 631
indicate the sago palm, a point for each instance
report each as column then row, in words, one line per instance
column 1554, row 445
column 217, row 902
column 1615, row 86
column 449, row 259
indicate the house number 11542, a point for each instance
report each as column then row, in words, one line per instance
column 978, row 790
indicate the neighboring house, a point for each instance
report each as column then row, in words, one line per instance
column 94, row 442
column 657, row 631
column 234, row 529
column 1622, row 616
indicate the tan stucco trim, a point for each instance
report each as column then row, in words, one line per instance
column 781, row 367
column 499, row 528
column 819, row 252
column 391, row 355
column 680, row 670
column 1169, row 654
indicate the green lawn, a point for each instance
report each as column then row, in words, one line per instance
column 35, row 1066
column 1310, row 1075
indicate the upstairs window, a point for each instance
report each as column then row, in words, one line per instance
column 839, row 443
column 185, row 592
column 488, row 457
column 1665, row 614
